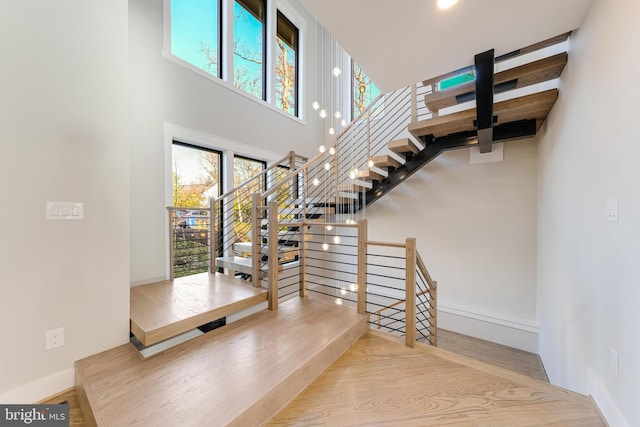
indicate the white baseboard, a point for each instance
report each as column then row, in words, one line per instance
column 147, row 281
column 517, row 333
column 40, row 389
column 605, row 402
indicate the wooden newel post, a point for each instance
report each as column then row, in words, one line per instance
column 256, row 240
column 410, row 297
column 273, row 255
column 433, row 313
column 362, row 266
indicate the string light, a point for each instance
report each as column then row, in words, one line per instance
column 325, row 246
column 338, row 114
column 316, row 181
column 336, row 71
column 332, row 150
column 370, row 163
column 327, row 166
column 332, row 131
column 343, row 122
column 336, row 240
column 323, row 113
column 315, row 105
column 329, row 227
column 322, row 148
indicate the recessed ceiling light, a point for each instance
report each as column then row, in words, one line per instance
column 446, row 4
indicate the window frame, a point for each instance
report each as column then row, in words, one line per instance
column 226, row 53
column 296, row 62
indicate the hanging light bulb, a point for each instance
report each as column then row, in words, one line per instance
column 339, row 301
column 316, row 181
column 327, row 166
column 370, row 163
column 322, row 148
column 338, row 114
column 332, row 131
column 343, row 122
column 356, row 171
column 336, row 71
column 352, row 175
column 323, row 113
column 336, row 240
column 343, row 291
column 325, row 246
column 353, row 287
column 329, row 227
column 332, row 150
column 315, row 105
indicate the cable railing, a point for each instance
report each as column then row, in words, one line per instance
column 233, row 212
column 189, row 240
column 385, row 119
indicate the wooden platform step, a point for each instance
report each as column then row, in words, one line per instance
column 404, row 145
column 525, row 75
column 239, row 375
column 162, row 310
column 531, row 107
column 355, row 185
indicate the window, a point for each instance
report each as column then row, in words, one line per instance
column 195, row 33
column 196, row 175
column 249, row 46
column 286, row 65
column 363, row 90
column 245, row 168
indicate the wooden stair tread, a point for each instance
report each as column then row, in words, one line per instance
column 404, row 145
column 385, row 161
column 162, row 310
column 525, row 75
column 535, row 106
column 368, row 174
column 528, row 49
column 240, row 374
column 236, row 263
column 245, row 247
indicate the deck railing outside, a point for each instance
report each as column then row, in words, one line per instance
column 189, row 240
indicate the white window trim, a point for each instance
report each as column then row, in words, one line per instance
column 228, row 148
column 226, row 81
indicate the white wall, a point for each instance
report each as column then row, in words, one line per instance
column 63, row 120
column 588, row 268
column 475, row 227
column 161, row 90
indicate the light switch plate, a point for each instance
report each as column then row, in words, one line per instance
column 69, row 211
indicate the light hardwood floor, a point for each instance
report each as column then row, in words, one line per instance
column 241, row 374
column 382, row 382
column 75, row 413
column 519, row 361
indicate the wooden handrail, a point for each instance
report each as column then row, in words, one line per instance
column 423, row 269
column 293, row 174
column 253, row 178
column 387, row 244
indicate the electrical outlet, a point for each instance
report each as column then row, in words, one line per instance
column 54, row 338
column 613, row 362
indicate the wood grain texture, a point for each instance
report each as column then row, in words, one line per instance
column 76, row 418
column 404, row 145
column 528, row 49
column 523, row 362
column 241, row 374
column 380, row 382
column 535, row 106
column 385, row 161
column 525, row 75
column 165, row 309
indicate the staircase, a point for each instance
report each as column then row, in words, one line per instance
column 298, row 229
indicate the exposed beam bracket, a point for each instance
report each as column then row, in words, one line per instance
column 484, row 63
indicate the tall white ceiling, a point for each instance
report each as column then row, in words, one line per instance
column 401, row 42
